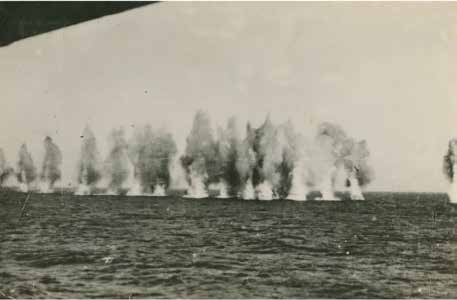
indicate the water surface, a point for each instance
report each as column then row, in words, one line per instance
column 392, row 245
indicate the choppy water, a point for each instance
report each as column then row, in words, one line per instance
column 390, row 246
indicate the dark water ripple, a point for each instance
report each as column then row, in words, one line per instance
column 390, row 246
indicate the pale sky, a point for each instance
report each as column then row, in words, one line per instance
column 386, row 72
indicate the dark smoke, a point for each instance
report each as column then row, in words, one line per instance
column 50, row 171
column 89, row 171
column 449, row 160
column 117, row 162
column 151, row 153
column 26, row 171
column 5, row 170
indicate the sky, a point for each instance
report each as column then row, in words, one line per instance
column 385, row 71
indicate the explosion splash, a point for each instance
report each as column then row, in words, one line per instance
column 245, row 163
column 449, row 168
column 293, row 170
column 5, row 170
column 227, row 148
column 299, row 189
column 269, row 162
column 159, row 190
column 330, row 139
column 89, row 168
column 248, row 192
column 336, row 151
column 26, row 171
column 266, row 177
column 357, row 169
column 117, row 162
column 151, row 153
column 50, row 170
column 200, row 158
column 272, row 162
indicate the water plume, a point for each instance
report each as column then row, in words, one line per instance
column 26, row 171
column 159, row 190
column 223, row 190
column 5, row 170
column 197, row 186
column 292, row 169
column 227, row 148
column 298, row 189
column 89, row 166
column 330, row 139
column 50, row 170
column 245, row 163
column 200, row 157
column 248, row 192
column 357, row 169
column 449, row 168
column 117, row 162
column 327, row 185
column 151, row 153
column 135, row 188
column 264, row 191
column 269, row 157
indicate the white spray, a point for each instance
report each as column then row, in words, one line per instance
column 159, row 190
column 264, row 191
column 197, row 187
column 248, row 192
column 327, row 184
column 299, row 190
column 223, row 192
column 354, row 186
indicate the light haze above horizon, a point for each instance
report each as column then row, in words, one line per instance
column 385, row 72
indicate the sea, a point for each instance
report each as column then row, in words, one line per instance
column 392, row 245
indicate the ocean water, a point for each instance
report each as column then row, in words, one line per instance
column 392, row 245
